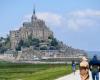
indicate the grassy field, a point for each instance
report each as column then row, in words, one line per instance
column 16, row 71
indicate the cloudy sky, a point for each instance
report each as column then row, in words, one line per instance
column 75, row 22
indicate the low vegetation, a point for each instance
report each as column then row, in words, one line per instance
column 17, row 71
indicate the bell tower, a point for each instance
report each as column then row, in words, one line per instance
column 33, row 18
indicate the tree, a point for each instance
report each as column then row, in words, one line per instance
column 28, row 42
column 54, row 42
column 4, row 44
column 35, row 42
column 7, row 43
column 0, row 45
column 51, row 37
column 2, row 49
column 43, row 48
column 1, row 38
column 20, row 44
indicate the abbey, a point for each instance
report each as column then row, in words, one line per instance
column 36, row 28
column 42, row 44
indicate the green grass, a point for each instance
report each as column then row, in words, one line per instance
column 16, row 71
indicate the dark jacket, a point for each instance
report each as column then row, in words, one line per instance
column 94, row 64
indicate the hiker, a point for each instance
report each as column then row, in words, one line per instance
column 95, row 67
column 84, row 69
column 73, row 66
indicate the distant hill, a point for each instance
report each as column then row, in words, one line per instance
column 92, row 53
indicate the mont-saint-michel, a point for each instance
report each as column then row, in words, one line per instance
column 34, row 41
column 42, row 39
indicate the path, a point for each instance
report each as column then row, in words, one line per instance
column 73, row 77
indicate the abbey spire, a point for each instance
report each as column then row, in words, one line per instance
column 34, row 10
column 33, row 15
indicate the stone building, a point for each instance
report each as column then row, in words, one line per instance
column 36, row 28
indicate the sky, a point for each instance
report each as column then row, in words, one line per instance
column 75, row 22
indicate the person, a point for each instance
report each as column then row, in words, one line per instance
column 84, row 69
column 73, row 66
column 94, row 67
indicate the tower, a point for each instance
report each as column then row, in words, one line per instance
column 33, row 18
